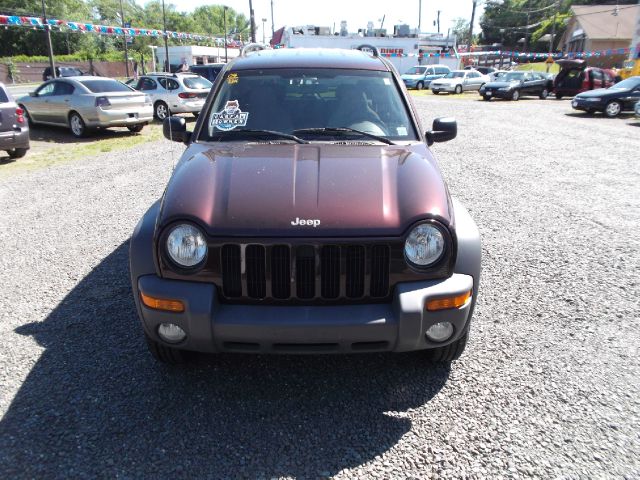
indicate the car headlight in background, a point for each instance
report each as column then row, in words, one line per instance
column 424, row 245
column 186, row 245
column 592, row 99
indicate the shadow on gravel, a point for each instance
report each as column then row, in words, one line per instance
column 96, row 404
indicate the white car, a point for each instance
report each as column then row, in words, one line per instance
column 174, row 92
column 458, row 81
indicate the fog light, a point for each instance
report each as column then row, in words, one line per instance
column 440, row 332
column 172, row 333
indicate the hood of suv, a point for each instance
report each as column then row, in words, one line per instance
column 291, row 190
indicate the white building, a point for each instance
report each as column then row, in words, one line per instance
column 193, row 55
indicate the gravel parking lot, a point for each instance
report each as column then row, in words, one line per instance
column 547, row 388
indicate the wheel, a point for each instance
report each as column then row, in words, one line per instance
column 17, row 152
column 165, row 354
column 450, row 352
column 195, row 114
column 515, row 95
column 419, row 86
column 160, row 110
column 435, row 92
column 544, row 94
column 27, row 116
column 77, row 125
column 458, row 89
column 558, row 96
column 613, row 109
column 486, row 98
column 136, row 128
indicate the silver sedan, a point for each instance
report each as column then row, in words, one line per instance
column 84, row 103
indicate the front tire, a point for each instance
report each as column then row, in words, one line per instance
column 17, row 152
column 419, row 86
column 161, row 111
column 77, row 125
column 165, row 354
column 449, row 353
column 458, row 89
column 486, row 98
column 435, row 92
column 613, row 109
column 544, row 94
column 135, row 128
column 515, row 96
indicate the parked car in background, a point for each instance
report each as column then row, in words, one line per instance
column 514, row 85
column 255, row 248
column 174, row 92
column 62, row 72
column 85, row 103
column 482, row 70
column 575, row 77
column 498, row 74
column 458, row 81
column 14, row 128
column 623, row 96
column 421, row 76
column 209, row 71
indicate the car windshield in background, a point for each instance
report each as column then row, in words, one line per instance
column 629, row 83
column 197, row 82
column 105, row 86
column 416, row 71
column 288, row 100
column 511, row 76
column 454, row 75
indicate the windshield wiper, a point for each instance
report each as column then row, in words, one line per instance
column 265, row 133
column 332, row 130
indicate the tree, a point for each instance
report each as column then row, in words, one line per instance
column 460, row 29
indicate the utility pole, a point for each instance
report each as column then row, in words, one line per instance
column 224, row 16
column 419, row 15
column 263, row 38
column 47, row 31
column 273, row 26
column 166, row 40
column 553, row 36
column 473, row 18
column 438, row 20
column 126, row 50
column 253, row 22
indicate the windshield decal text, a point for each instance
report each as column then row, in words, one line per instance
column 229, row 118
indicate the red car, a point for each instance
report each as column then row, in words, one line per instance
column 575, row 77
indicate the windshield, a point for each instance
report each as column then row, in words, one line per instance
column 454, row 75
column 511, row 76
column 288, row 100
column 105, row 86
column 197, row 82
column 415, row 71
column 629, row 83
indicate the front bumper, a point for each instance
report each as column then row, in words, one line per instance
column 121, row 118
column 496, row 93
column 15, row 138
column 212, row 326
column 580, row 104
column 442, row 88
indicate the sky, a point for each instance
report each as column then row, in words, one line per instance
column 356, row 12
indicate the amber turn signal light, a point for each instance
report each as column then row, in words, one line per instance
column 448, row 302
column 162, row 303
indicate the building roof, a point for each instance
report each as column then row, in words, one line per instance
column 599, row 23
column 309, row 58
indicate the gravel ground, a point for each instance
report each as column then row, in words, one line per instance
column 548, row 386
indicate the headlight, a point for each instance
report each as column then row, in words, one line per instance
column 424, row 245
column 186, row 245
column 592, row 99
column 503, row 89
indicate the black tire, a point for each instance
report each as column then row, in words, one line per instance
column 165, row 354
column 515, row 96
column 486, row 98
column 544, row 94
column 28, row 117
column 458, row 89
column 195, row 114
column 161, row 110
column 434, row 92
column 613, row 109
column 17, row 152
column 419, row 86
column 558, row 96
column 77, row 125
column 450, row 352
column 135, row 128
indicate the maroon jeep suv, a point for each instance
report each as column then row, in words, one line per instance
column 307, row 215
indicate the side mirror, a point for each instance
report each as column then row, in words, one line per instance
column 175, row 129
column 444, row 129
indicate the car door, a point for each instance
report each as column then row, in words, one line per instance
column 149, row 86
column 60, row 103
column 630, row 99
column 38, row 106
column 528, row 84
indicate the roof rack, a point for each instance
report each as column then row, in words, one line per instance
column 368, row 49
column 250, row 48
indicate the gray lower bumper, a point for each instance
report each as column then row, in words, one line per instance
column 216, row 327
column 17, row 138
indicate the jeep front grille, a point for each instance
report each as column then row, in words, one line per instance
column 304, row 272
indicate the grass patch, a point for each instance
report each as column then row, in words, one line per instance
column 538, row 67
column 44, row 154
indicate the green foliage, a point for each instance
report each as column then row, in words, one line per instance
column 112, row 56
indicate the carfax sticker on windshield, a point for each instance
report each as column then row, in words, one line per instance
column 229, row 118
column 232, row 79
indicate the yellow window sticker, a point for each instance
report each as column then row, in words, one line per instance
column 232, row 78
